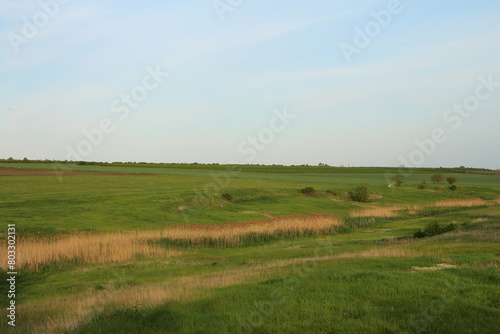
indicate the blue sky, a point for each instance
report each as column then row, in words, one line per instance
column 229, row 72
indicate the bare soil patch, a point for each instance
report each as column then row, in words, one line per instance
column 486, row 172
column 438, row 266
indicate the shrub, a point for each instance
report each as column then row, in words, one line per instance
column 331, row 192
column 361, row 193
column 434, row 229
column 421, row 185
column 453, row 187
column 228, row 197
column 309, row 191
column 437, row 178
column 398, row 179
column 451, row 180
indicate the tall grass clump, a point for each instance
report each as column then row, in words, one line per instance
column 85, row 247
column 251, row 232
column 377, row 211
column 460, row 202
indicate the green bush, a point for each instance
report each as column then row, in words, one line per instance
column 453, row 187
column 451, row 180
column 421, row 186
column 309, row 191
column 331, row 192
column 361, row 193
column 437, row 178
column 398, row 179
column 434, row 229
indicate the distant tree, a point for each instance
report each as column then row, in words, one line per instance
column 361, row 193
column 25, row 159
column 451, row 180
column 437, row 178
column 398, row 179
column 10, row 159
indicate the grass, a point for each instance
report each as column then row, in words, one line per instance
column 359, row 291
column 83, row 247
column 156, row 254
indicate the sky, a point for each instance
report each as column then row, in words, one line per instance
column 352, row 83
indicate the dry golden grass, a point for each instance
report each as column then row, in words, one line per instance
column 124, row 246
column 465, row 202
column 86, row 247
column 377, row 211
column 232, row 234
column 392, row 211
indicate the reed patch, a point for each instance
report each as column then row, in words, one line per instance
column 250, row 232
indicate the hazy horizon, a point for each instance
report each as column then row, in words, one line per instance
column 376, row 83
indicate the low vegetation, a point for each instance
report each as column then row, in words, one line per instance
column 434, row 229
column 250, row 232
column 361, row 193
column 309, row 191
column 109, row 253
column 398, row 179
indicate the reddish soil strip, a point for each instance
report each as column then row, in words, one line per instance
column 487, row 172
column 52, row 172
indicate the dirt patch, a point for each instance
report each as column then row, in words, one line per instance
column 52, row 172
column 485, row 172
column 375, row 197
column 438, row 266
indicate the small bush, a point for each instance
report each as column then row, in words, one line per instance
column 227, row 197
column 421, row 186
column 361, row 193
column 398, row 179
column 451, row 180
column 331, row 192
column 437, row 178
column 434, row 229
column 309, row 191
column 453, row 187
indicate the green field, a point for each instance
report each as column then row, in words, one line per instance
column 370, row 276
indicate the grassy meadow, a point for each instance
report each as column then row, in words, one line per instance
column 214, row 249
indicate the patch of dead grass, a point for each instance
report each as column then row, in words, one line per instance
column 439, row 266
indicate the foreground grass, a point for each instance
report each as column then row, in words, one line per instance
column 347, row 283
column 349, row 296
column 373, row 291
